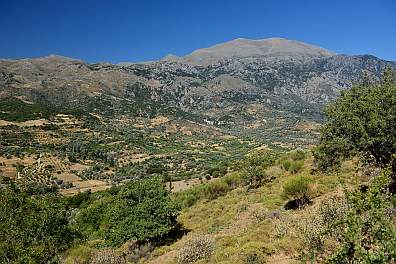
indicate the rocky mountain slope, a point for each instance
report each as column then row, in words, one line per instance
column 218, row 83
column 243, row 48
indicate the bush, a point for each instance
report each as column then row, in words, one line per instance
column 252, row 173
column 314, row 227
column 78, row 255
column 299, row 189
column 297, row 154
column 106, row 256
column 252, row 258
column 333, row 210
column 273, row 171
column 296, row 166
column 310, row 228
column 254, row 176
column 216, row 188
column 366, row 232
column 189, row 199
column 201, row 247
column 209, row 190
column 286, row 164
column 136, row 252
column 358, row 226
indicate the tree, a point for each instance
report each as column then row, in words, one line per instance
column 254, row 168
column 254, row 176
column 33, row 228
column 362, row 122
column 140, row 210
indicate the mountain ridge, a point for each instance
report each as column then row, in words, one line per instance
column 299, row 83
column 242, row 47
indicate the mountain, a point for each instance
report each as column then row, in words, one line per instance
column 244, row 48
column 241, row 84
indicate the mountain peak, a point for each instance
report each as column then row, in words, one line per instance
column 171, row 57
column 242, row 48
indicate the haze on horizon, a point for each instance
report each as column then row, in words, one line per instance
column 135, row 31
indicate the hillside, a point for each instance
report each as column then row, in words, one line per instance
column 254, row 224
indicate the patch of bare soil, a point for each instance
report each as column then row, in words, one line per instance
column 81, row 186
column 8, row 167
column 78, row 167
column 68, row 177
column 178, row 186
column 24, row 99
column 89, row 184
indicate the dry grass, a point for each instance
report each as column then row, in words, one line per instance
column 182, row 185
column 68, row 177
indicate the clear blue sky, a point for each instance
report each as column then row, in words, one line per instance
column 114, row 30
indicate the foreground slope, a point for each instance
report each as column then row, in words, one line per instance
column 253, row 224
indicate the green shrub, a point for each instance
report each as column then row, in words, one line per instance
column 298, row 188
column 189, row 199
column 78, row 255
column 286, row 164
column 254, row 176
column 252, row 173
column 217, row 188
column 196, row 248
column 137, row 252
column 232, row 180
column 297, row 154
column 252, row 259
column 296, row 166
column 366, row 232
column 209, row 190
column 274, row 171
